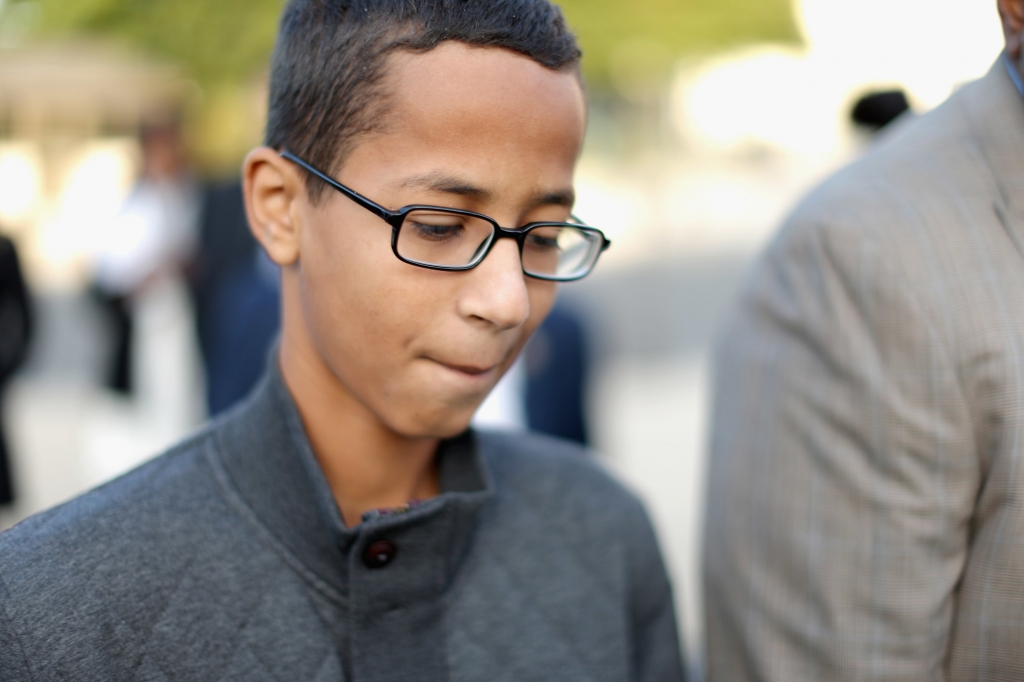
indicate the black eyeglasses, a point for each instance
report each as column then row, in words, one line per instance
column 452, row 239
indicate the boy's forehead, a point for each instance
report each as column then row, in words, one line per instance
column 456, row 183
column 456, row 74
column 463, row 120
column 484, row 124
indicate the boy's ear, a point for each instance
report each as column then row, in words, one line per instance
column 272, row 185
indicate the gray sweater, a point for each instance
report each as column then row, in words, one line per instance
column 227, row 559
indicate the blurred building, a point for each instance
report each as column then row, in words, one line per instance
column 69, row 118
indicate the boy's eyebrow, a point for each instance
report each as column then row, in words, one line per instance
column 449, row 184
column 565, row 197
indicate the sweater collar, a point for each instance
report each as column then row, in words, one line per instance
column 268, row 468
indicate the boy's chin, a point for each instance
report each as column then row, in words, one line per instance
column 442, row 424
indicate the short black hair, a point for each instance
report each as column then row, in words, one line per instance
column 328, row 64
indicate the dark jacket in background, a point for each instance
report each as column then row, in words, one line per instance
column 236, row 297
column 227, row 559
column 557, row 364
column 15, row 328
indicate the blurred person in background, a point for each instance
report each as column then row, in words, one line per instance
column 557, row 367
column 237, row 298
column 142, row 268
column 15, row 331
column 876, row 110
column 545, row 390
column 152, row 239
column 344, row 523
column 865, row 515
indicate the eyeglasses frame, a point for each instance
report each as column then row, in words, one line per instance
column 397, row 218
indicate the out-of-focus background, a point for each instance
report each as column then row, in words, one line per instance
column 123, row 125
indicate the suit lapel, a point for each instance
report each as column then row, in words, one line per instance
column 995, row 114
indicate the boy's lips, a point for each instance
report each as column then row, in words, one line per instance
column 472, row 370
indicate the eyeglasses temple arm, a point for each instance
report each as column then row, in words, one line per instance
column 350, row 193
column 607, row 242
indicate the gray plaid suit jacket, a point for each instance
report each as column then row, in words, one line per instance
column 865, row 516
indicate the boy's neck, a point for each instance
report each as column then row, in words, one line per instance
column 367, row 465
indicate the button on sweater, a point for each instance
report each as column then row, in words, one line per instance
column 227, row 559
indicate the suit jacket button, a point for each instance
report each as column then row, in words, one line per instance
column 379, row 554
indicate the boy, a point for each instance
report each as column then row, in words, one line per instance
column 343, row 523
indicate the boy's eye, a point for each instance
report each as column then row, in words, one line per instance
column 435, row 231
column 541, row 242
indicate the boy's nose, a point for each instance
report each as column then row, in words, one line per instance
column 498, row 292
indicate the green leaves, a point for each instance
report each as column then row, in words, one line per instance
column 619, row 37
column 227, row 41
column 629, row 46
column 215, row 41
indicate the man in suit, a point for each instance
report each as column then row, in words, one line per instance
column 14, row 335
column 866, row 502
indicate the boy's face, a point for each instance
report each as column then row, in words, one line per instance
column 481, row 129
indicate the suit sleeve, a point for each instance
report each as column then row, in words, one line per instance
column 843, row 470
column 656, row 652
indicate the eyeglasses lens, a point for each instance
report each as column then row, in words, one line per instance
column 560, row 251
column 446, row 239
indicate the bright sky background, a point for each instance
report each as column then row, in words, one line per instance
column 791, row 102
column 798, row 99
column 761, row 125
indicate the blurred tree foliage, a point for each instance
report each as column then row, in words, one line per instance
column 625, row 35
column 219, row 41
column 222, row 44
column 216, row 41
column 629, row 46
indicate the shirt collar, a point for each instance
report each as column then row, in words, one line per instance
column 267, row 463
column 993, row 116
column 1011, row 69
